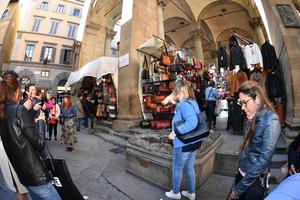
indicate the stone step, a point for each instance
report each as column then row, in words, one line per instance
column 281, row 147
column 278, row 160
column 277, row 176
column 216, row 187
column 226, row 163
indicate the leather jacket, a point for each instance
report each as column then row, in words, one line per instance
column 255, row 159
column 23, row 145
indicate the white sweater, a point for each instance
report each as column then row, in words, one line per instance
column 253, row 55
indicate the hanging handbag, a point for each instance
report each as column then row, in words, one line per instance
column 145, row 72
column 165, row 58
column 200, row 132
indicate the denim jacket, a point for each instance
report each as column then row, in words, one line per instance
column 188, row 112
column 256, row 157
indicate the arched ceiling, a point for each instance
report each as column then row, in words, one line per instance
column 223, row 16
column 214, row 19
column 106, row 12
column 178, row 29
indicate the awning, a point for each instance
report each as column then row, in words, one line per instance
column 96, row 68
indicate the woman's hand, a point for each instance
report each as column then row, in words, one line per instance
column 233, row 195
column 172, row 136
column 28, row 104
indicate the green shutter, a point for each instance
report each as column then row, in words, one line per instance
column 42, row 54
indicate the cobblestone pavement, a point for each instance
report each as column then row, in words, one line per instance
column 86, row 164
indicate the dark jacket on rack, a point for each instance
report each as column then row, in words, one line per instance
column 222, row 58
column 232, row 39
column 269, row 55
column 237, row 57
column 274, row 84
column 23, row 144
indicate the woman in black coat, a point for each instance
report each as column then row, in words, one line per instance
column 22, row 143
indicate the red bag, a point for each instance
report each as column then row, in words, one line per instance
column 160, row 124
column 52, row 121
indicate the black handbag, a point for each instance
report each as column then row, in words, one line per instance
column 62, row 180
column 200, row 132
column 145, row 72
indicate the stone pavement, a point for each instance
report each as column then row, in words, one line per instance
column 98, row 168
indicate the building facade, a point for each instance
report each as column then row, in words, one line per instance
column 45, row 44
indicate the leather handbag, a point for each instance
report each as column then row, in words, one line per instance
column 160, row 124
column 145, row 72
column 52, row 121
column 165, row 58
column 200, row 132
column 62, row 180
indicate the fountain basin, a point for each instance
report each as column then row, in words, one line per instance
column 149, row 157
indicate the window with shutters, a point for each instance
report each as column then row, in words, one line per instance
column 4, row 15
column 29, row 52
column 60, row 8
column 72, row 30
column 66, row 56
column 44, row 5
column 76, row 12
column 36, row 24
column 48, row 55
column 54, row 27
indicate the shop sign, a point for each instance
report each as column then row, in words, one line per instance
column 124, row 60
column 24, row 80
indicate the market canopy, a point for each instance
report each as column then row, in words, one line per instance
column 96, row 68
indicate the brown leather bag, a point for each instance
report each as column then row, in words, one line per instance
column 165, row 58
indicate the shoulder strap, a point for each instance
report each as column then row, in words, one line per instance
column 191, row 105
column 209, row 93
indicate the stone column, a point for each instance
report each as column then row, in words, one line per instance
column 109, row 37
column 138, row 29
column 198, row 44
column 286, row 41
column 160, row 18
column 256, row 24
column 93, row 44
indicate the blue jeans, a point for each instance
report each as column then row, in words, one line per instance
column 43, row 192
column 5, row 193
column 78, row 124
column 183, row 160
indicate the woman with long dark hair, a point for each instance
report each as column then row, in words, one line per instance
column 22, row 143
column 261, row 135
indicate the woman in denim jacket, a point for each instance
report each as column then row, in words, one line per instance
column 184, row 154
column 261, row 135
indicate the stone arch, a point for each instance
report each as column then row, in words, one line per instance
column 58, row 78
column 28, row 73
column 101, row 19
column 210, row 5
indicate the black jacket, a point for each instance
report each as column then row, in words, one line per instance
column 268, row 55
column 23, row 146
column 237, row 57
